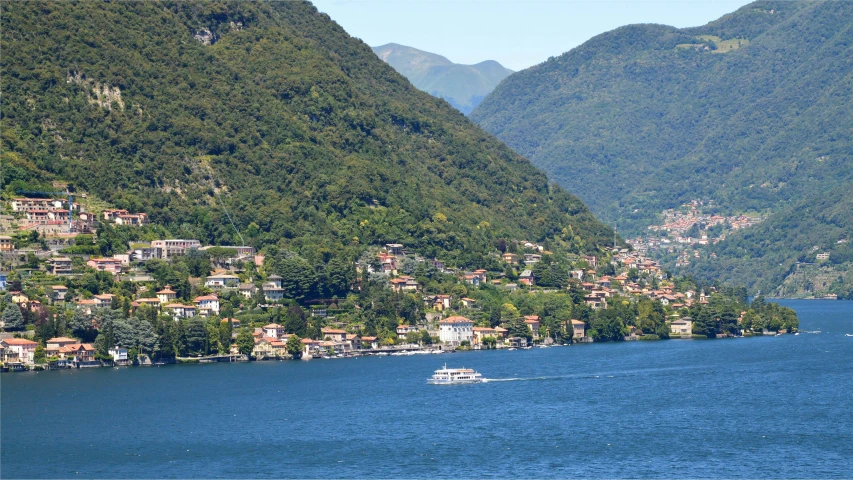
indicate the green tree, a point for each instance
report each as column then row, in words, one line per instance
column 413, row 337
column 295, row 321
column 12, row 318
column 245, row 342
column 294, row 346
column 39, row 356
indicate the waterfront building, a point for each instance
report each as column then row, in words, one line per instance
column 23, row 348
column 455, row 330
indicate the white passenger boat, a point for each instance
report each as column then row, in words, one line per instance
column 453, row 376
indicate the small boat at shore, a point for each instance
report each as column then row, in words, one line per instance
column 454, row 376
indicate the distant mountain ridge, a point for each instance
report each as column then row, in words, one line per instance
column 753, row 110
column 463, row 86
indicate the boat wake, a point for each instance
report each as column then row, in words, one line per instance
column 488, row 380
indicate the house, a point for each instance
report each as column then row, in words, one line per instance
column 682, row 326
column 510, row 258
column 517, row 342
column 270, row 347
column 373, row 342
column 104, row 300
column 482, row 332
column 57, row 342
column 247, row 290
column 533, row 323
column 169, row 249
column 469, row 302
column 403, row 330
column 6, row 244
column 310, row 347
column 474, row 280
column 28, row 204
column 579, row 329
column 178, row 311
column 151, row 302
column 442, row 301
column 57, row 293
column 60, row 265
column 113, row 214
column 590, row 260
column 207, row 305
column 133, row 219
column 241, row 250
column 404, row 284
column 595, row 301
column 167, row 295
column 274, row 280
column 24, row 349
column 455, row 330
column 527, row 278
column 333, row 334
column 81, row 352
column 273, row 293
column 119, row 355
column 355, row 342
column 437, row 264
column 500, row 333
column 273, row 330
column 222, row 281
column 531, row 258
column 109, row 265
column 394, row 248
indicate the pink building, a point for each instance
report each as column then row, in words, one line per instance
column 111, row 265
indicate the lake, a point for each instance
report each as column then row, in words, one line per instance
column 750, row 407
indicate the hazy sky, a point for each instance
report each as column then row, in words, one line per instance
column 517, row 33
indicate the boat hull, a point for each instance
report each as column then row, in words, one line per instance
column 432, row 381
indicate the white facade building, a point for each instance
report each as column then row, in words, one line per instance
column 455, row 330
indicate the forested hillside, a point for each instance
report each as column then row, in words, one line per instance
column 267, row 110
column 463, row 86
column 764, row 256
column 753, row 111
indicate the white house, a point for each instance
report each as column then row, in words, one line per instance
column 167, row 294
column 273, row 330
column 178, row 310
column 403, row 330
column 25, row 349
column 682, row 326
column 208, row 305
column 273, row 293
column 455, row 330
column 222, row 281
column 119, row 354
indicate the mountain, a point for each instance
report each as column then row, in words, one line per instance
column 753, row 111
column 463, row 86
column 267, row 114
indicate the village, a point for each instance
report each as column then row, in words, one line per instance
column 125, row 311
column 685, row 231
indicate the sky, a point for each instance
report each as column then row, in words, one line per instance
column 518, row 34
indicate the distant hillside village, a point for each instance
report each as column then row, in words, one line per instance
column 66, row 304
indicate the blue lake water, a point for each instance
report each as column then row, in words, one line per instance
column 753, row 407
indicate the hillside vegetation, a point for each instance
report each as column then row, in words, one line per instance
column 463, row 86
column 753, row 111
column 269, row 112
